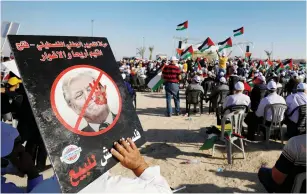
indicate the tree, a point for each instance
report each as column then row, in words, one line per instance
column 141, row 51
column 268, row 53
column 151, row 48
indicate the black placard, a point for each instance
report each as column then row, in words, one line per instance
column 79, row 101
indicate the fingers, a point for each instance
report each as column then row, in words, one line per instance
column 126, row 145
column 120, row 149
column 117, row 155
column 132, row 144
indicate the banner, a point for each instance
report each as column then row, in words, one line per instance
column 80, row 103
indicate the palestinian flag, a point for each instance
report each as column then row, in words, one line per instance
column 238, row 32
column 156, row 82
column 270, row 62
column 187, row 53
column 209, row 142
column 260, row 64
column 288, row 64
column 270, row 65
column 279, row 68
column 225, row 44
column 206, row 45
column 182, row 26
column 213, row 137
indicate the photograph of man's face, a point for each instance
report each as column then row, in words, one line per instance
column 85, row 103
column 76, row 91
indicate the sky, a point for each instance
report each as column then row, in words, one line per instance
column 280, row 26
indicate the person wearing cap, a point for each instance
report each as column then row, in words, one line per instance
column 257, row 92
column 252, row 120
column 221, row 74
column 293, row 101
column 238, row 98
column 14, row 160
column 190, row 64
column 222, row 61
column 195, row 85
column 233, row 79
column 213, row 98
column 210, row 78
column 172, row 75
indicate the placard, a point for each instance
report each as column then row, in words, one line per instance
column 79, row 101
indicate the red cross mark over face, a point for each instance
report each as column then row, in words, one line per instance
column 100, row 94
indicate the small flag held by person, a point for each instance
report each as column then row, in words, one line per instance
column 187, row 53
column 206, row 45
column 238, row 32
column 225, row 44
column 288, row 64
column 182, row 26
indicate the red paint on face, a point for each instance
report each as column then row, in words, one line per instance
column 100, row 94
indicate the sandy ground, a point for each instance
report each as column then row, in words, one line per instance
column 171, row 141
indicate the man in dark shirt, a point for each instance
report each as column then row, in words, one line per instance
column 292, row 84
column 257, row 92
column 171, row 75
column 292, row 161
column 233, row 79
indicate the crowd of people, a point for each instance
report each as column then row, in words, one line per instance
column 255, row 84
column 251, row 83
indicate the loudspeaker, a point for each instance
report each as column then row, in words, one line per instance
column 247, row 49
column 180, row 43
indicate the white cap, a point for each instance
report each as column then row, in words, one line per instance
column 272, row 85
column 222, row 74
column 295, row 74
column 223, row 80
column 260, row 74
column 301, row 86
column 256, row 74
column 283, row 73
column 123, row 75
column 200, row 72
column 261, row 77
column 197, row 78
column 239, row 86
column 174, row 58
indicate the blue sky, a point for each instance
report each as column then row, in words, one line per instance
column 126, row 23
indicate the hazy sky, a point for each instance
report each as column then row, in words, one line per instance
column 281, row 24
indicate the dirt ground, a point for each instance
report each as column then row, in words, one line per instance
column 171, row 141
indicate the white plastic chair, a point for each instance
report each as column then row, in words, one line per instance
column 277, row 110
column 236, row 115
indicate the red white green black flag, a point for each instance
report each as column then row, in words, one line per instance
column 182, row 26
column 238, row 32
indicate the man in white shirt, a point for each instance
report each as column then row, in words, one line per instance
column 238, row 98
column 253, row 119
column 293, row 101
column 148, row 179
column 272, row 98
